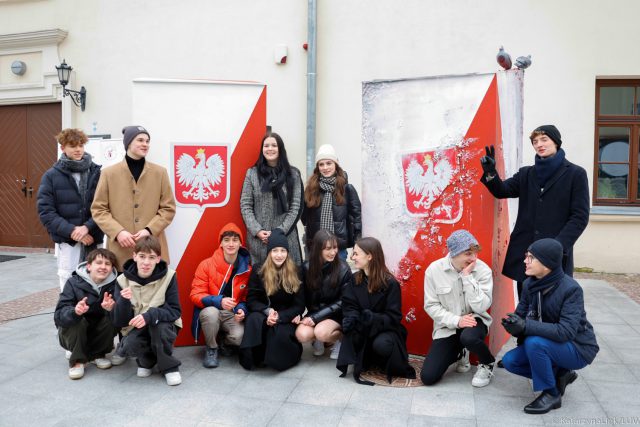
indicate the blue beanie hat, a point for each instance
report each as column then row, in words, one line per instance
column 460, row 241
column 277, row 239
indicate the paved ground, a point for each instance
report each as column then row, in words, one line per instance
column 35, row 389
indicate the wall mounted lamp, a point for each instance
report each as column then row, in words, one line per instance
column 78, row 97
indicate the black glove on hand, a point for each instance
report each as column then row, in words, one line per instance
column 488, row 162
column 349, row 324
column 366, row 317
column 514, row 324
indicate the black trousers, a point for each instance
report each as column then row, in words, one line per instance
column 153, row 345
column 87, row 340
column 445, row 351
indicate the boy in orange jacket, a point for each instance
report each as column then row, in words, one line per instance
column 219, row 291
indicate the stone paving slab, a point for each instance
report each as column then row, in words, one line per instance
column 36, row 390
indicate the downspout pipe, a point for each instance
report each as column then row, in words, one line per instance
column 311, row 85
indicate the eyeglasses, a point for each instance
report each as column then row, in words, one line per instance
column 528, row 257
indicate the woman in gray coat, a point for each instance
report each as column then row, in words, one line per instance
column 272, row 198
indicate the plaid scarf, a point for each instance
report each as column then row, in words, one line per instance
column 327, row 186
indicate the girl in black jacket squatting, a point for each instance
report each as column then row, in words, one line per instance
column 325, row 275
column 275, row 301
column 373, row 334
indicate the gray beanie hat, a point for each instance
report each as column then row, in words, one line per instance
column 130, row 132
column 460, row 241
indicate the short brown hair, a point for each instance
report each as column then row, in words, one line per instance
column 104, row 253
column 230, row 233
column 148, row 245
column 71, row 137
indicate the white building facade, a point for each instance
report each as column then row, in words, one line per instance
column 585, row 76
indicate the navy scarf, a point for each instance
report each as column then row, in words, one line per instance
column 546, row 167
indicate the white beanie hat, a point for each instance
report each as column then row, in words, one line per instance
column 326, row 152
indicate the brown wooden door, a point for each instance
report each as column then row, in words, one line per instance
column 27, row 150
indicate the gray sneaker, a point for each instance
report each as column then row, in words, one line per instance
column 210, row 358
column 483, row 375
column 463, row 365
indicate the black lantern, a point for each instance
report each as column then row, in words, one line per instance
column 78, row 97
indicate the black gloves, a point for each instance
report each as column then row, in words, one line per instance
column 514, row 324
column 488, row 161
column 366, row 317
column 349, row 324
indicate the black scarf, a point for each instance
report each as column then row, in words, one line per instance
column 546, row 167
column 78, row 166
column 537, row 288
column 274, row 182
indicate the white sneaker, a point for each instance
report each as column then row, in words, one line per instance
column 76, row 372
column 463, row 365
column 67, row 354
column 117, row 360
column 143, row 372
column 173, row 378
column 483, row 375
column 318, row 348
column 335, row 351
column 102, row 363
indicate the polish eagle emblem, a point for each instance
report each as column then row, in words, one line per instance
column 200, row 175
column 428, row 180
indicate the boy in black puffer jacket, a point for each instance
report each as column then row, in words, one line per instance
column 81, row 315
column 64, row 202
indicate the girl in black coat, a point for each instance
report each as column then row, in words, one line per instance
column 553, row 200
column 325, row 275
column 371, row 306
column 275, row 302
column 331, row 203
column 552, row 328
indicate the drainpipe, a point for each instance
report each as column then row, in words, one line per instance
column 311, row 86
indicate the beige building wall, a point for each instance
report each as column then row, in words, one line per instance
column 111, row 43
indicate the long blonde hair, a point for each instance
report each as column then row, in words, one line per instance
column 285, row 277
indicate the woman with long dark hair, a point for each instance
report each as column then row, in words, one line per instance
column 331, row 203
column 275, row 302
column 371, row 308
column 325, row 275
column 271, row 199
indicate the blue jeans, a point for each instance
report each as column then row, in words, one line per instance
column 539, row 358
column 342, row 253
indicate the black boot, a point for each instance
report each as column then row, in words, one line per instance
column 564, row 379
column 543, row 404
column 210, row 358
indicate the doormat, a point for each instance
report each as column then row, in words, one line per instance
column 4, row 258
column 379, row 378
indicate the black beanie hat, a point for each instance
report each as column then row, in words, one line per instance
column 277, row 239
column 548, row 252
column 130, row 132
column 551, row 131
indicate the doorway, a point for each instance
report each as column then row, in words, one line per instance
column 27, row 149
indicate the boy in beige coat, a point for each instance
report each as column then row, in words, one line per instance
column 134, row 198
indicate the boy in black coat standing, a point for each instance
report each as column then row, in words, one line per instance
column 82, row 312
column 553, row 200
column 64, row 202
column 551, row 325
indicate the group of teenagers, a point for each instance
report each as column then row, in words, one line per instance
column 256, row 299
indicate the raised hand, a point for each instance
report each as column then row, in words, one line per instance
column 82, row 307
column 488, row 162
column 107, row 302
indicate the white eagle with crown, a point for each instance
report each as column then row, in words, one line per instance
column 202, row 177
column 428, row 182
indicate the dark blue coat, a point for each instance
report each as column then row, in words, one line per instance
column 60, row 204
column 560, row 212
column 563, row 316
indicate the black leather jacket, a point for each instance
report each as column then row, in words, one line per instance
column 326, row 302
